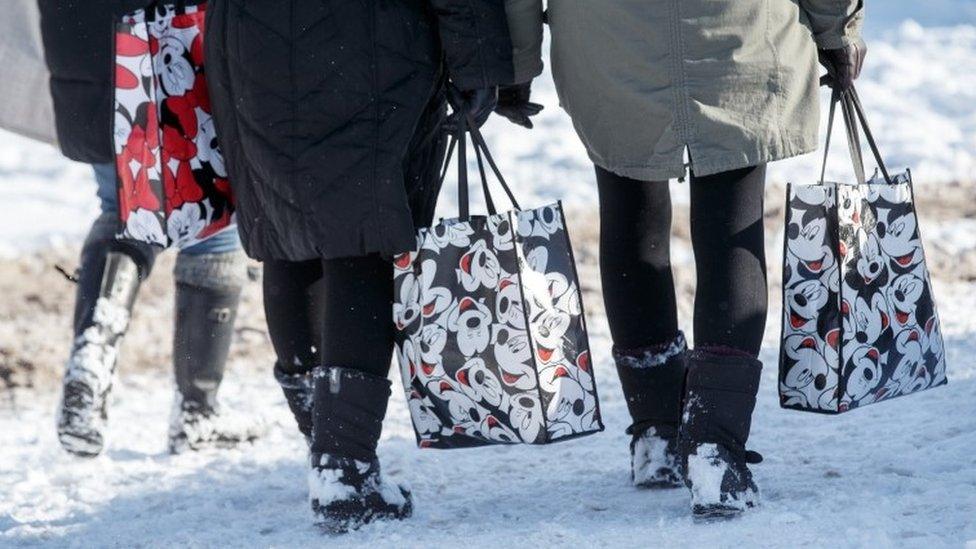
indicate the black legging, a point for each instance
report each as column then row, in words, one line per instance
column 333, row 312
column 727, row 236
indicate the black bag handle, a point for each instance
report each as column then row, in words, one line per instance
column 853, row 113
column 859, row 110
column 479, row 141
column 853, row 139
column 466, row 124
column 153, row 7
column 484, row 182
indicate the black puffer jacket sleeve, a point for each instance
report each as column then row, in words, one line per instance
column 476, row 41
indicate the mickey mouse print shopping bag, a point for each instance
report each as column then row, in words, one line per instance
column 173, row 187
column 859, row 318
column 491, row 336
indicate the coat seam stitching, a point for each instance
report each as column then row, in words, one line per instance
column 776, row 76
column 679, row 95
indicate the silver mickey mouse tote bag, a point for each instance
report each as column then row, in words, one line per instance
column 491, row 337
column 859, row 318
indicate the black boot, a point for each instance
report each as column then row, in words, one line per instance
column 346, row 487
column 653, row 381
column 108, row 283
column 720, row 396
column 298, row 394
column 208, row 291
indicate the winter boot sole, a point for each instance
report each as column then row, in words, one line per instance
column 717, row 513
column 660, row 484
column 78, row 437
column 81, row 445
column 355, row 516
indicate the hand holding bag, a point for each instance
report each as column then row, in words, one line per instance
column 859, row 317
column 490, row 332
column 173, row 187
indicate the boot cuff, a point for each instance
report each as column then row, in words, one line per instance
column 652, row 380
column 349, row 407
column 221, row 271
column 652, row 355
column 723, row 372
column 338, row 376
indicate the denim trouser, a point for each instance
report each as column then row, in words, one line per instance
column 106, row 178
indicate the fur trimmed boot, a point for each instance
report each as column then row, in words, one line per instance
column 653, row 379
column 720, row 395
column 208, row 291
column 345, row 485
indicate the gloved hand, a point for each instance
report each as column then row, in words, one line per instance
column 514, row 104
column 479, row 103
column 843, row 65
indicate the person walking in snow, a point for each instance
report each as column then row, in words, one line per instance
column 209, row 276
column 735, row 84
column 331, row 119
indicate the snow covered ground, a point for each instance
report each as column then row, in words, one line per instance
column 902, row 473
column 898, row 474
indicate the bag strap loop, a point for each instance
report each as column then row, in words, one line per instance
column 859, row 110
column 466, row 125
column 484, row 183
column 853, row 140
column 853, row 113
column 479, row 141
column 830, row 132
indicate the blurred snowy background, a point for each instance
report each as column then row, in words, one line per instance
column 918, row 86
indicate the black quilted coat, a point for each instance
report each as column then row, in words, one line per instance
column 327, row 112
column 78, row 49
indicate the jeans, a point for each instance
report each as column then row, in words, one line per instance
column 105, row 176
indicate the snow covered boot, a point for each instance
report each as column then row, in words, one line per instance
column 720, row 395
column 298, row 394
column 208, row 290
column 101, row 318
column 345, row 486
column 653, row 380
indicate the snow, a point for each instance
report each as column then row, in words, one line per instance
column 898, row 473
column 652, row 462
column 325, row 486
column 44, row 199
column 706, row 471
column 901, row 473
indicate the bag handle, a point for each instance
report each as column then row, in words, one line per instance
column 859, row 110
column 853, row 139
column 480, row 142
column 466, row 125
column 153, row 7
column 853, row 113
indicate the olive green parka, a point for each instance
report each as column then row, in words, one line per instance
column 735, row 82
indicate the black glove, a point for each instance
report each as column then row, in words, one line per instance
column 843, row 65
column 514, row 104
column 479, row 103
